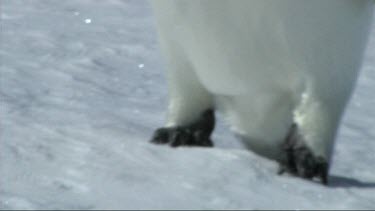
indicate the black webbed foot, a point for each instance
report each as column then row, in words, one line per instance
column 195, row 134
column 300, row 160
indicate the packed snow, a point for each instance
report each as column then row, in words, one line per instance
column 82, row 88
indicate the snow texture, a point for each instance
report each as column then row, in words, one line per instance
column 82, row 88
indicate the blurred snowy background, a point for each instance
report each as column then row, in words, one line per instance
column 81, row 90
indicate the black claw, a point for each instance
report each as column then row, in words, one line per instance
column 300, row 160
column 322, row 168
column 196, row 134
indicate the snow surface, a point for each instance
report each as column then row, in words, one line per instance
column 81, row 90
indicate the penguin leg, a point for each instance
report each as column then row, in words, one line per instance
column 190, row 118
column 300, row 159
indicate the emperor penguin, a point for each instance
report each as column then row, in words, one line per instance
column 279, row 72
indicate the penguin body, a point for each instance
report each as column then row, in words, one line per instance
column 265, row 65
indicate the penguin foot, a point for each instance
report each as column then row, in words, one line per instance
column 300, row 160
column 195, row 134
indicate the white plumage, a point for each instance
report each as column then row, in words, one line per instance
column 264, row 64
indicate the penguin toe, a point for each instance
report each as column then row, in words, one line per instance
column 181, row 136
